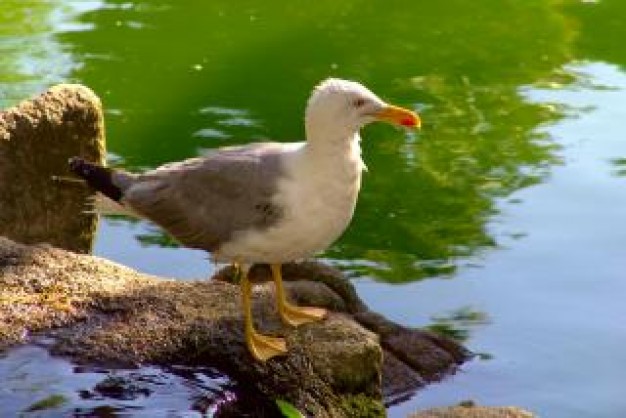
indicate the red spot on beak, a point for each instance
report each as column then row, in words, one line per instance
column 399, row 116
column 410, row 122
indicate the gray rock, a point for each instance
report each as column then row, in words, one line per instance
column 36, row 139
column 104, row 313
column 473, row 411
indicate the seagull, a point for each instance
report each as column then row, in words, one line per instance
column 267, row 202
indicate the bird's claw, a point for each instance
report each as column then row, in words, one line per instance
column 264, row 347
column 298, row 315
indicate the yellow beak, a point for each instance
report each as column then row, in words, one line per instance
column 399, row 116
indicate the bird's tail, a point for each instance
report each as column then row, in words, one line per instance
column 97, row 177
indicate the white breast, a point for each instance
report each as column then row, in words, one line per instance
column 318, row 194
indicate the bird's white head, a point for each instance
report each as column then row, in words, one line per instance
column 339, row 108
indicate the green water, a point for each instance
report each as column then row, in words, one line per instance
column 180, row 76
column 514, row 188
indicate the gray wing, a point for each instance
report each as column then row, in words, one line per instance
column 203, row 201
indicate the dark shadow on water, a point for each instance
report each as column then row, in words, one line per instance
column 34, row 381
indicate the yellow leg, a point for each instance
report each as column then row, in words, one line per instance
column 262, row 347
column 291, row 314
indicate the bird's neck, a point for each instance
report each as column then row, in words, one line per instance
column 327, row 138
column 332, row 149
column 338, row 155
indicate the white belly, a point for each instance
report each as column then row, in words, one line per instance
column 318, row 205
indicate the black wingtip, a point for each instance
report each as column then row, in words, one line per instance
column 76, row 165
column 97, row 177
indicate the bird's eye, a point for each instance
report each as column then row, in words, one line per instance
column 360, row 102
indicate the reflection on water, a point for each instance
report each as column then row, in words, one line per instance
column 235, row 74
column 601, row 30
column 32, row 380
column 513, row 188
column 458, row 323
column 555, row 296
column 31, row 56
